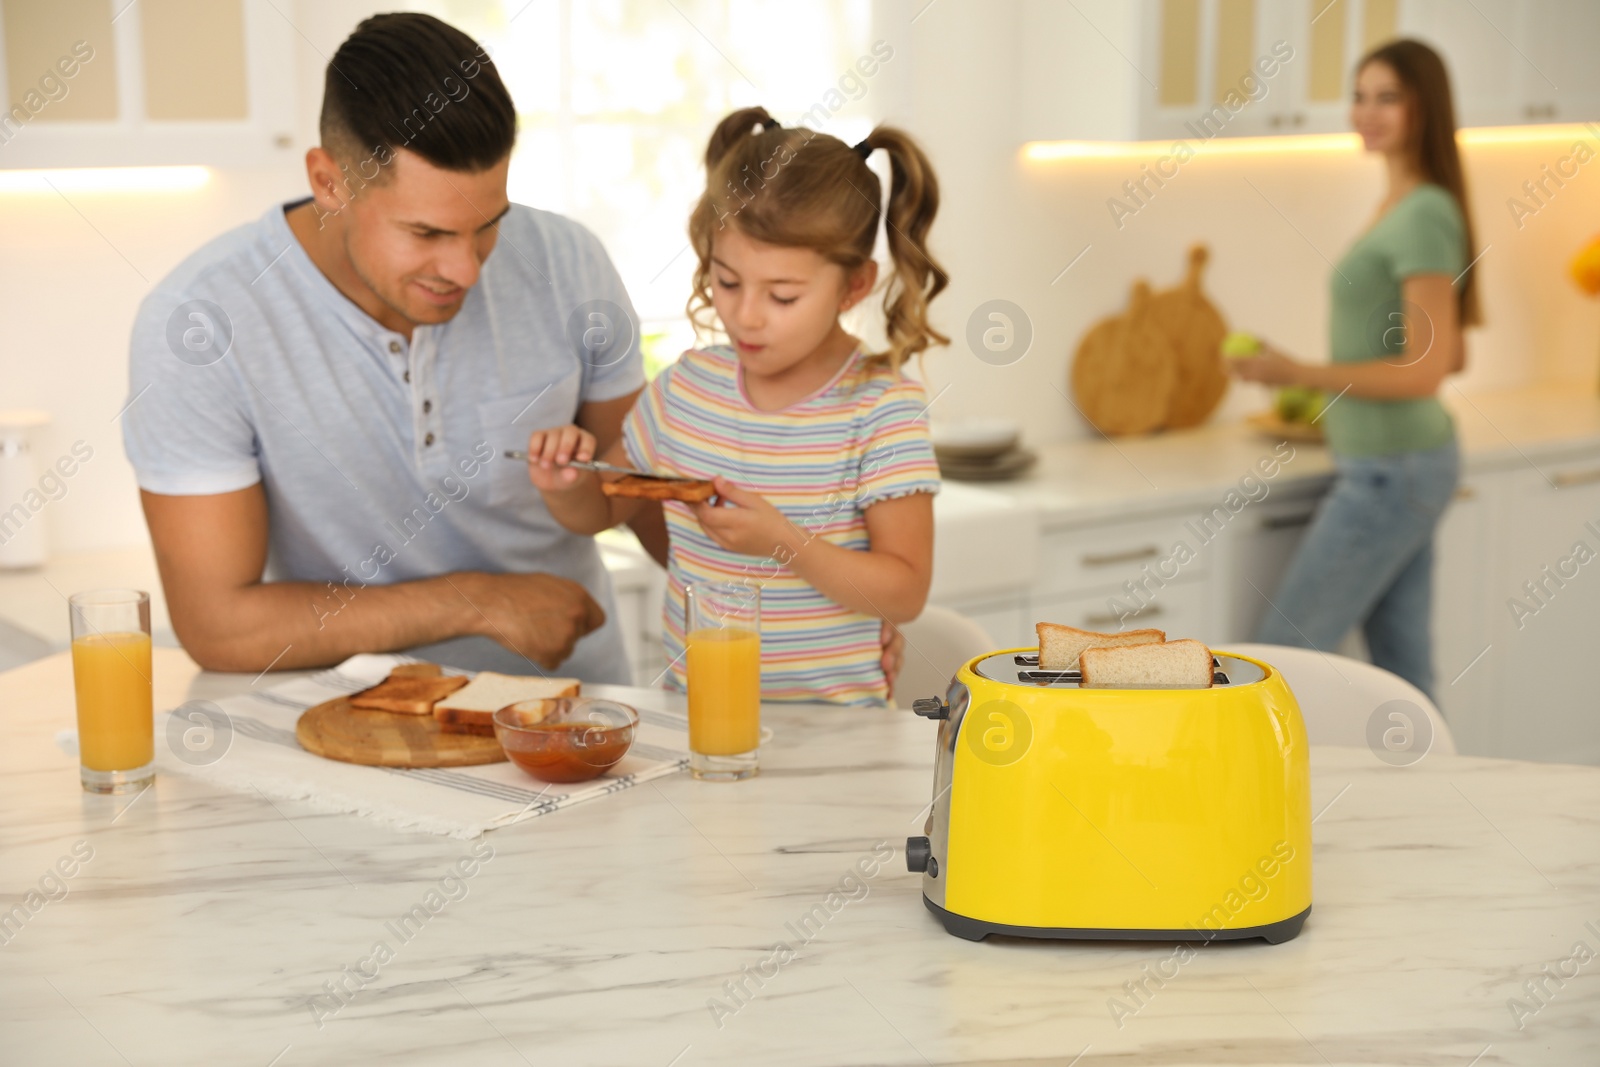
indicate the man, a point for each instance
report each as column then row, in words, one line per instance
column 321, row 400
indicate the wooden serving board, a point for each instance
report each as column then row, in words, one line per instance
column 1125, row 370
column 335, row 730
column 1196, row 329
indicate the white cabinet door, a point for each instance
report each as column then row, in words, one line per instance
column 1560, row 78
column 1132, row 558
column 1329, row 38
column 1180, row 609
column 1257, row 549
column 1476, row 41
column 1466, row 576
column 1548, row 624
column 1214, row 69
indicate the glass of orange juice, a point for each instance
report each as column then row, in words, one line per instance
column 723, row 635
column 111, row 672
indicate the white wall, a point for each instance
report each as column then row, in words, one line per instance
column 1006, row 230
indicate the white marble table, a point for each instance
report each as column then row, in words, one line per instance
column 206, row 923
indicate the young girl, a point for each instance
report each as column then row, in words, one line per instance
column 819, row 450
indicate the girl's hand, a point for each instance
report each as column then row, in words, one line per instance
column 549, row 452
column 751, row 526
column 1270, row 367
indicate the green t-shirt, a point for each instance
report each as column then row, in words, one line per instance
column 1422, row 234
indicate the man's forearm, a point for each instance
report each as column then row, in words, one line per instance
column 288, row 625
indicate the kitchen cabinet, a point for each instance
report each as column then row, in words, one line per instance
column 1195, row 68
column 158, row 82
column 1258, row 547
column 1180, row 608
column 1469, row 558
column 1183, row 69
column 1547, row 615
column 1560, row 79
column 1514, row 61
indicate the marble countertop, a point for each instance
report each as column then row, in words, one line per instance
column 1096, row 479
column 201, row 926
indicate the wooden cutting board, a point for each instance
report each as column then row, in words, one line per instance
column 1125, row 370
column 335, row 730
column 1196, row 329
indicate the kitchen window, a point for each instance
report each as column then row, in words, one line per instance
column 616, row 102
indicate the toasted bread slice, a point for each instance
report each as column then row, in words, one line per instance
column 476, row 703
column 1171, row 665
column 417, row 670
column 407, row 694
column 659, row 489
column 1060, row 646
column 487, row 728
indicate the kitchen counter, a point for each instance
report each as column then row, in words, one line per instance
column 206, row 922
column 1095, row 479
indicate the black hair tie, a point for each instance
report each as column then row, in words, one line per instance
column 862, row 148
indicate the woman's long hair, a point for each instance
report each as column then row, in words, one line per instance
column 1431, row 125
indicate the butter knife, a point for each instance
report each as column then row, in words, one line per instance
column 608, row 468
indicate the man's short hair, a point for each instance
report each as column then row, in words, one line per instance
column 410, row 81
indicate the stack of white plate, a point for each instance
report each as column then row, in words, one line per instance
column 981, row 450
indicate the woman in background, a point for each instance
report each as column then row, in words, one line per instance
column 1400, row 299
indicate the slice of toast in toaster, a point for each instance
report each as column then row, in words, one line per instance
column 1171, row 665
column 1060, row 646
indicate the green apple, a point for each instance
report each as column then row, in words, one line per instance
column 1239, row 345
column 1300, row 403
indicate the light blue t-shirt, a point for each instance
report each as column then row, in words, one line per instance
column 381, row 458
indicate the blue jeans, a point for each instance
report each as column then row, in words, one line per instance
column 1368, row 558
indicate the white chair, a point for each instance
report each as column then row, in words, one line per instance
column 937, row 642
column 1337, row 695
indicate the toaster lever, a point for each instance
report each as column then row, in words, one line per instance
column 931, row 708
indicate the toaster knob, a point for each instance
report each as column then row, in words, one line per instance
column 931, row 707
column 918, row 852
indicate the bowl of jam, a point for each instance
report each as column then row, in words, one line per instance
column 567, row 739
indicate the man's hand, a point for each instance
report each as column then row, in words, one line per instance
column 750, row 526
column 538, row 616
column 549, row 452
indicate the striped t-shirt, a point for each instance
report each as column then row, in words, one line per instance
column 861, row 439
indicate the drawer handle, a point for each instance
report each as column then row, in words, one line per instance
column 1466, row 492
column 1568, row 479
column 1109, row 558
column 1285, row 522
column 1107, row 619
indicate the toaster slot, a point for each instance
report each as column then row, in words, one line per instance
column 1032, row 675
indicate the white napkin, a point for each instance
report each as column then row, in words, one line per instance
column 247, row 743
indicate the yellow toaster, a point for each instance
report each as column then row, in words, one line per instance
column 1155, row 814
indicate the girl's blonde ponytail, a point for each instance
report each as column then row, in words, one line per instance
column 917, row 277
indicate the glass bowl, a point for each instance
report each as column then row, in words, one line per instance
column 566, row 739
